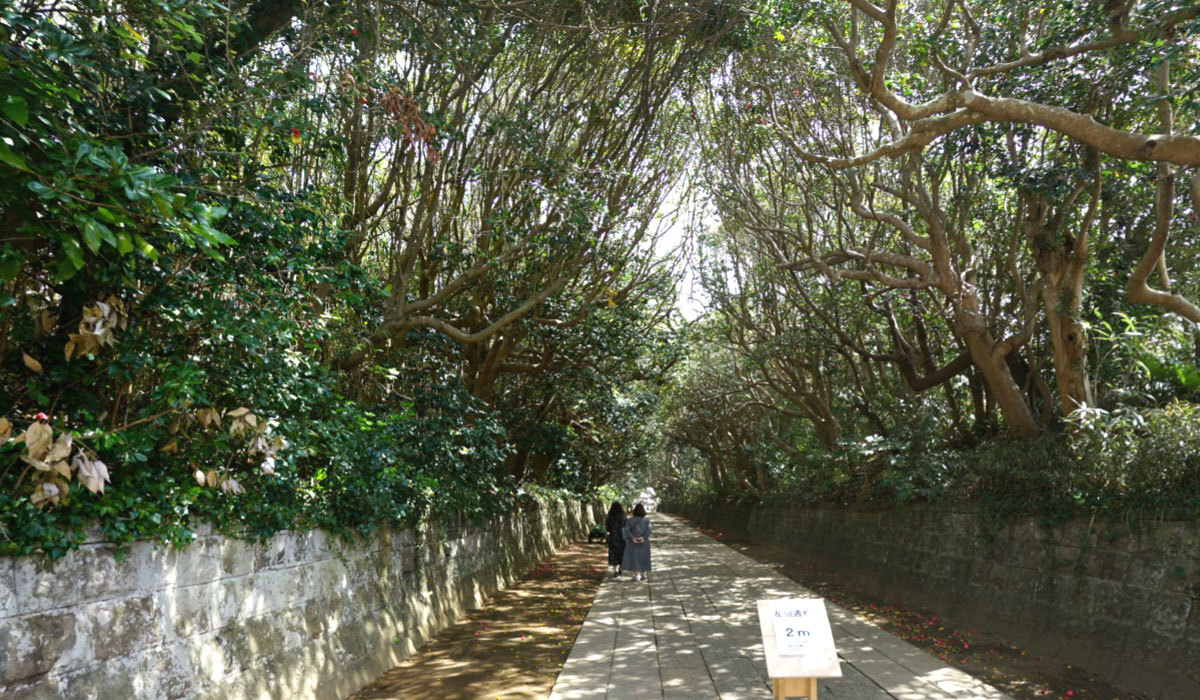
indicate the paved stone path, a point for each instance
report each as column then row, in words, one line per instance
column 692, row 633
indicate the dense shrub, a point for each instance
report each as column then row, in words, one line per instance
column 206, row 336
column 208, row 233
column 1107, row 462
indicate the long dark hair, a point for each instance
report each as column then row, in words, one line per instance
column 639, row 511
column 616, row 509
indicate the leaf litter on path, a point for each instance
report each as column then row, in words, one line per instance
column 513, row 647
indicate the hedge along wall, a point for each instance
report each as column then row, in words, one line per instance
column 299, row 616
column 1121, row 601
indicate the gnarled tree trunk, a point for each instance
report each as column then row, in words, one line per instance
column 989, row 357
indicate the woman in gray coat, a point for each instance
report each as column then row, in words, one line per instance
column 637, row 544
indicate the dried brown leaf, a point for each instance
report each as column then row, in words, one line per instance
column 43, row 493
column 92, row 473
column 91, row 314
column 61, row 468
column 37, row 439
column 60, row 449
column 49, row 492
column 208, row 416
column 36, row 463
column 32, row 364
column 45, row 322
column 85, row 343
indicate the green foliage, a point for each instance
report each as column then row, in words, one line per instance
column 284, row 265
column 349, row 466
column 197, row 204
column 891, row 287
column 1113, row 464
column 71, row 193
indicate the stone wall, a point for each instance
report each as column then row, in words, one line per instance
column 301, row 615
column 1120, row 600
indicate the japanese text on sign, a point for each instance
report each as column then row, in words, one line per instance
column 797, row 639
column 792, row 630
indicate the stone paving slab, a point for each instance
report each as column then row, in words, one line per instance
column 691, row 632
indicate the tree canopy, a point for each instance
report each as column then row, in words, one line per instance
column 335, row 264
column 945, row 223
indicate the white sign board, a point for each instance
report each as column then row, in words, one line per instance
column 797, row 639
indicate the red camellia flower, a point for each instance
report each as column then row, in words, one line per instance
column 295, row 136
column 41, row 416
column 353, row 32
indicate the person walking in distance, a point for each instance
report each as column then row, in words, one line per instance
column 615, row 525
column 637, row 544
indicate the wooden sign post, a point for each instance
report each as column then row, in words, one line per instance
column 799, row 646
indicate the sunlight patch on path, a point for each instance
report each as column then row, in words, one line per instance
column 692, row 633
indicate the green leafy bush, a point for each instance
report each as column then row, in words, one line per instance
column 208, row 376
column 196, row 283
column 1101, row 462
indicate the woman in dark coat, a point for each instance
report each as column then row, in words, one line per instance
column 615, row 524
column 637, row 544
